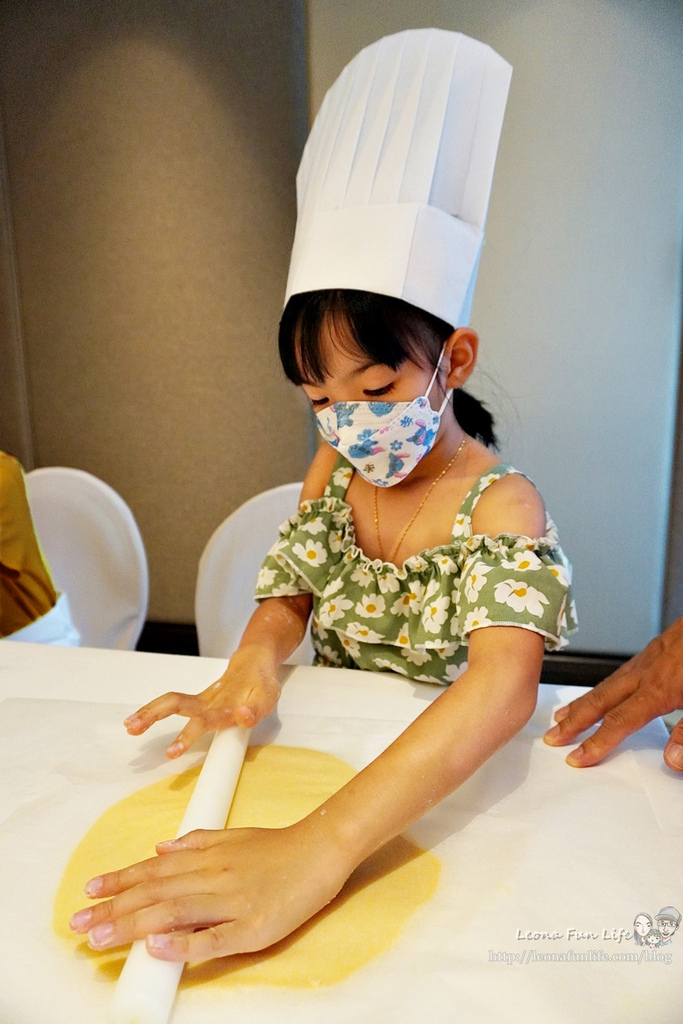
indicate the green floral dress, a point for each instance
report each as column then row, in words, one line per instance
column 416, row 619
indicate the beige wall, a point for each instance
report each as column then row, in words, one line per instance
column 579, row 296
column 151, row 152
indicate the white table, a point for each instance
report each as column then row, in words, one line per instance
column 527, row 845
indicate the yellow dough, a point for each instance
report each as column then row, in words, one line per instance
column 278, row 785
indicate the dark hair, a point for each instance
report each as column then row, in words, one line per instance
column 386, row 329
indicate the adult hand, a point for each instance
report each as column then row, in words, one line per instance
column 216, row 893
column 648, row 685
column 247, row 691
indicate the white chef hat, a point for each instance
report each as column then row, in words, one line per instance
column 394, row 182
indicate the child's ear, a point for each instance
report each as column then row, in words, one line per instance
column 460, row 356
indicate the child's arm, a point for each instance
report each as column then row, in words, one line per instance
column 249, row 688
column 247, row 888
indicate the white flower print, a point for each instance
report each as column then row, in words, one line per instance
column 486, row 481
column 435, row 613
column 403, row 639
column 387, row 583
column 357, row 631
column 335, row 541
column 560, row 573
column 371, row 606
column 410, row 600
column 342, row 476
column 461, row 525
column 384, row 663
column 427, row 679
column 333, row 609
column 361, row 576
column 313, row 553
column 319, row 631
column 315, row 525
column 447, row 565
column 454, row 672
column 416, row 657
column 331, row 657
column 475, row 619
column 402, row 604
column 284, row 590
column 476, row 580
column 265, row 577
column 521, row 597
column 418, row 563
column 351, row 646
column 524, row 561
column 446, row 651
column 333, row 587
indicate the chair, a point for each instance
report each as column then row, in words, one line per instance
column 228, row 569
column 95, row 553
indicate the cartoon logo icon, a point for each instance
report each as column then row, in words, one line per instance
column 646, row 933
column 668, row 919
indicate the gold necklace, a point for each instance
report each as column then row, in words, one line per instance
column 417, row 510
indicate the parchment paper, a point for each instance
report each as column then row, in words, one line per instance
column 527, row 844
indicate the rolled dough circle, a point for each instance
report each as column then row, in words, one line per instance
column 278, row 786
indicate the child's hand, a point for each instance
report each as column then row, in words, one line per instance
column 247, row 691
column 244, row 889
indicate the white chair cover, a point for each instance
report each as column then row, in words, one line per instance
column 228, row 569
column 54, row 627
column 95, row 553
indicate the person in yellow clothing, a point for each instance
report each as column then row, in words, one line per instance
column 31, row 609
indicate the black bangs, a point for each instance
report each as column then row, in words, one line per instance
column 385, row 329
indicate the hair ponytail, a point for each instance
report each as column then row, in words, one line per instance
column 474, row 418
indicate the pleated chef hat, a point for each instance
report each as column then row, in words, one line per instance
column 394, row 182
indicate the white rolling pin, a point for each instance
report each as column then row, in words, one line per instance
column 146, row 989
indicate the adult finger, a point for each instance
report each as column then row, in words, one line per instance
column 622, row 720
column 587, row 709
column 673, row 751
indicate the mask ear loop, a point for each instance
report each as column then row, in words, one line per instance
column 449, row 391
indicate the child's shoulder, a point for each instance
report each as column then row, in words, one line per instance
column 510, row 504
column 319, row 473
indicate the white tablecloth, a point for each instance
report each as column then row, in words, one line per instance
column 527, row 845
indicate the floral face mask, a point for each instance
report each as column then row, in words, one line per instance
column 383, row 440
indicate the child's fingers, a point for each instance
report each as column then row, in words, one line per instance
column 161, row 707
column 224, row 939
column 113, row 883
column 198, row 839
column 260, row 702
column 194, row 729
column 175, row 914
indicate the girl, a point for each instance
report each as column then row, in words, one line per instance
column 414, row 550
column 454, row 572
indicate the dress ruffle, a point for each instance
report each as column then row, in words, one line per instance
column 372, row 614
